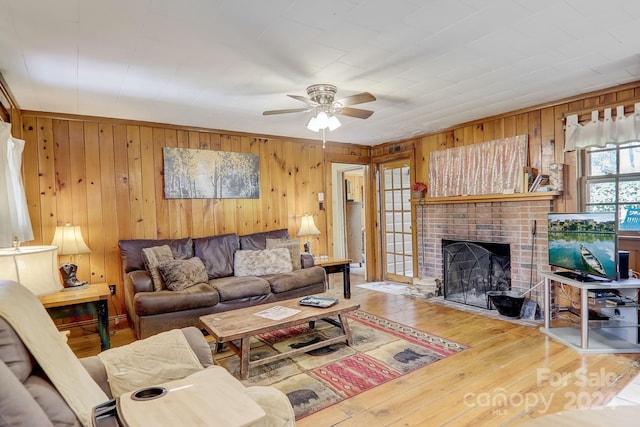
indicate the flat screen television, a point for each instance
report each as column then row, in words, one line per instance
column 586, row 244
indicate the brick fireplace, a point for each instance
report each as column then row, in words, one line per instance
column 496, row 221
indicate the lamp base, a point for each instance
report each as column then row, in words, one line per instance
column 307, row 249
column 71, row 282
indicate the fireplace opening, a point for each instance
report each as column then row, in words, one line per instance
column 471, row 269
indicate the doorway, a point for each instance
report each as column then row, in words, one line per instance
column 395, row 215
column 349, row 214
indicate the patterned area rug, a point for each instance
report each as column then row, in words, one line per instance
column 382, row 350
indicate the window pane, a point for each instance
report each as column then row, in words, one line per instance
column 629, row 192
column 601, row 163
column 601, row 192
column 630, row 160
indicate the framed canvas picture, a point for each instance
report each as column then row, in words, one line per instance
column 207, row 174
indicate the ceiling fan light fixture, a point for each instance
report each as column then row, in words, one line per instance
column 313, row 124
column 323, row 120
column 334, row 123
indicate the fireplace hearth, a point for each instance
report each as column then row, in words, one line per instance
column 471, row 269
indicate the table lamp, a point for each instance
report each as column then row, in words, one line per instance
column 308, row 228
column 34, row 267
column 69, row 241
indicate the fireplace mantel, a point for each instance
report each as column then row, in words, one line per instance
column 488, row 198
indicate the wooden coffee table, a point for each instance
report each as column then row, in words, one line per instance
column 242, row 324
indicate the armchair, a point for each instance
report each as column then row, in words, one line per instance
column 45, row 384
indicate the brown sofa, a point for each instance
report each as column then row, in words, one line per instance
column 152, row 311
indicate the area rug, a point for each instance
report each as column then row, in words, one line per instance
column 386, row 287
column 382, row 351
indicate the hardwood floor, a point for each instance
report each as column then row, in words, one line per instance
column 509, row 374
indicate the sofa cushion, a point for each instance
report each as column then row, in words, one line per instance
column 262, row 262
column 166, row 301
column 152, row 258
column 182, row 274
column 131, row 251
column 235, row 288
column 258, row 241
column 296, row 279
column 217, row 253
column 294, row 248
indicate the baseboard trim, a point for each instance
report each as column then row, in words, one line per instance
column 113, row 320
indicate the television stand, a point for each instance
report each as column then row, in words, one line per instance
column 595, row 334
column 581, row 277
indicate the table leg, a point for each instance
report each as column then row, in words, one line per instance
column 344, row 325
column 245, row 347
column 346, row 272
column 103, row 324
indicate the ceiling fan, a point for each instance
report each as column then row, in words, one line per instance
column 322, row 102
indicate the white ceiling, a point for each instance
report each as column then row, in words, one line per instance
column 219, row 64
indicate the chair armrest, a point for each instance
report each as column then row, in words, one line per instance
column 306, row 260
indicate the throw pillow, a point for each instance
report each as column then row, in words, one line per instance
column 152, row 257
column 294, row 248
column 179, row 274
column 262, row 262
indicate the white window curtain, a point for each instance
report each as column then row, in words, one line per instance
column 599, row 133
column 14, row 214
column 486, row 168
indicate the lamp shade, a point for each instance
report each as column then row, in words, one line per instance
column 308, row 226
column 69, row 241
column 34, row 267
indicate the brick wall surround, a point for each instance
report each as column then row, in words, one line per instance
column 492, row 222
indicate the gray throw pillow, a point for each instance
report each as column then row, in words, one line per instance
column 262, row 262
column 294, row 248
column 152, row 257
column 181, row 274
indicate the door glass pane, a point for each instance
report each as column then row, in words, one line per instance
column 397, row 216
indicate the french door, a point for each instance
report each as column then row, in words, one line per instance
column 397, row 247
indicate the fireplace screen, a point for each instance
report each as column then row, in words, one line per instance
column 471, row 269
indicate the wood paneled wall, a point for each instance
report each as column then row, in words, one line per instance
column 107, row 177
column 545, row 128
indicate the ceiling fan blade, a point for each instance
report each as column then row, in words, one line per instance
column 304, row 99
column 290, row 110
column 356, row 112
column 359, row 98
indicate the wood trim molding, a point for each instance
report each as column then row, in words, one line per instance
column 488, row 198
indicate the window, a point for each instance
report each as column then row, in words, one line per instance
column 612, row 182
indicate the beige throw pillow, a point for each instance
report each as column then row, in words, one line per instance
column 179, row 274
column 262, row 262
column 152, row 257
column 294, row 248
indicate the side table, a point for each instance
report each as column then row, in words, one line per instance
column 337, row 265
column 92, row 300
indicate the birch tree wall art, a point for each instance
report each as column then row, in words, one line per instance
column 206, row 174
